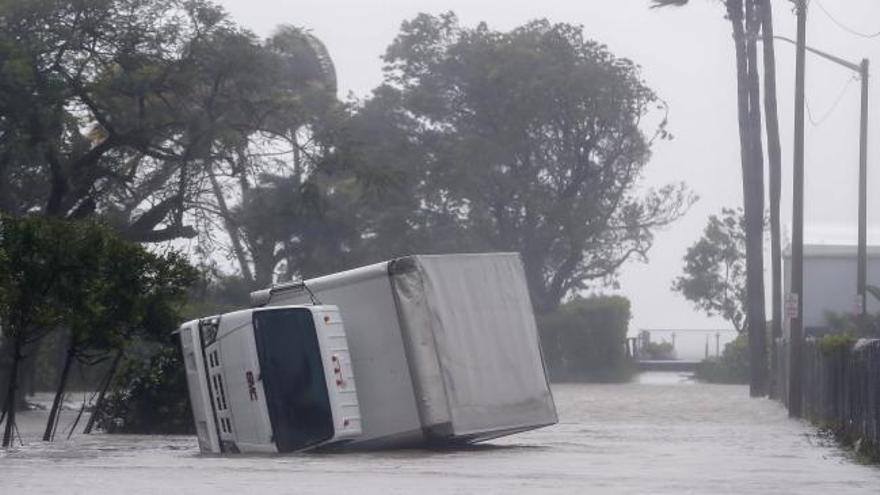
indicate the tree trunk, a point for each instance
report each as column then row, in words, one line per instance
column 774, row 154
column 753, row 192
column 59, row 393
column 7, row 349
column 11, row 391
column 99, row 402
column 232, row 230
column 755, row 221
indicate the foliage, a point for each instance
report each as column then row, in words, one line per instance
column 714, row 276
column 81, row 278
column 836, row 342
column 132, row 291
column 527, row 140
column 150, row 397
column 277, row 205
column 215, row 294
column 41, row 271
column 731, row 367
column 854, row 324
column 584, row 339
column 123, row 108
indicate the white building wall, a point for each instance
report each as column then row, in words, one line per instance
column 830, row 281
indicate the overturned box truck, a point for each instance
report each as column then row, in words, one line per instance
column 414, row 351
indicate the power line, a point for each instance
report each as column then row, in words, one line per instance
column 843, row 26
column 820, row 121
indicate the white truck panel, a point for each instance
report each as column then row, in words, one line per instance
column 199, row 395
column 444, row 348
column 485, row 339
column 339, row 373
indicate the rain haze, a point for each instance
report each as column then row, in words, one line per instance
column 439, row 246
column 686, row 56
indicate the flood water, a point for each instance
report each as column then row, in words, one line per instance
column 660, row 434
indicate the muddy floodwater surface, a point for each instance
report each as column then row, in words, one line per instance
column 659, row 434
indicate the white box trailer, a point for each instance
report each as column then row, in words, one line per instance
column 443, row 348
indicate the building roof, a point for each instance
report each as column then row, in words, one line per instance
column 833, row 251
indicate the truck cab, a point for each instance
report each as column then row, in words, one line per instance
column 274, row 379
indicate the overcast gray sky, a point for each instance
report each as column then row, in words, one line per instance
column 687, row 58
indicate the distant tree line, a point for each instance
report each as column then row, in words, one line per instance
column 159, row 121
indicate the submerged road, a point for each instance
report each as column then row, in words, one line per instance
column 661, row 434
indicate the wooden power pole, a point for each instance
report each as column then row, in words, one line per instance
column 796, row 328
column 863, row 196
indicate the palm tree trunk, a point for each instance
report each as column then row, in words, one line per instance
column 755, row 221
column 231, row 229
column 774, row 153
column 741, row 17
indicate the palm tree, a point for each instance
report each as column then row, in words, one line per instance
column 310, row 74
column 774, row 155
column 748, row 18
column 306, row 53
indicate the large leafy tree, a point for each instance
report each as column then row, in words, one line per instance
column 267, row 191
column 531, row 140
column 714, row 277
column 123, row 108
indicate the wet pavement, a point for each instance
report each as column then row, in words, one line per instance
column 659, row 434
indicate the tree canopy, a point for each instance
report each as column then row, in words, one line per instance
column 529, row 140
column 160, row 120
column 714, row 277
column 121, row 108
column 80, row 276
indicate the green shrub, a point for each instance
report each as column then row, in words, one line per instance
column 150, row 396
column 855, row 325
column 836, row 342
column 584, row 340
column 731, row 367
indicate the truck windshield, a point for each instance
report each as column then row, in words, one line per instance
column 293, row 377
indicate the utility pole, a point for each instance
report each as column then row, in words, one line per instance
column 862, row 253
column 863, row 195
column 796, row 329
